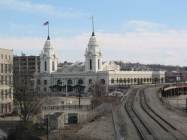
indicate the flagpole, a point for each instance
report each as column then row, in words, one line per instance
column 92, row 23
column 48, row 29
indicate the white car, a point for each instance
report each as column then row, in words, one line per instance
column 116, row 93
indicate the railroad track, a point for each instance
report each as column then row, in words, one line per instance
column 143, row 130
column 162, row 122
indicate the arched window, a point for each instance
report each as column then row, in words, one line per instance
column 45, row 65
column 80, row 82
column 162, row 80
column 69, row 85
column 141, row 80
column 112, row 80
column 134, row 80
column 148, row 80
column 128, row 80
column 102, row 81
column 138, row 81
column 59, row 82
column 90, row 81
column 70, row 82
column 90, row 64
column 144, row 80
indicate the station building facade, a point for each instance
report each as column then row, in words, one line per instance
column 92, row 70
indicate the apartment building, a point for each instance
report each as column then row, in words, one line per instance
column 24, row 69
column 6, row 81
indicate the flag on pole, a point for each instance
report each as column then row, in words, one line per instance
column 46, row 23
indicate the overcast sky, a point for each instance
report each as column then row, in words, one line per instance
column 145, row 31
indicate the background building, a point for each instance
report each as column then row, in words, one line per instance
column 6, row 81
column 24, row 69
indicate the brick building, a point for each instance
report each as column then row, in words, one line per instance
column 24, row 69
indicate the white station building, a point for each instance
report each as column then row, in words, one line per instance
column 52, row 79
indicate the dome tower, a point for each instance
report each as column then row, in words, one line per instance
column 93, row 56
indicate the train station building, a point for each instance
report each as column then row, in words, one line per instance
column 52, row 79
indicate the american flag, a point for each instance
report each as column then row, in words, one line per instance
column 46, row 23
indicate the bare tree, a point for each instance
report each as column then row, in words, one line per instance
column 26, row 101
column 97, row 89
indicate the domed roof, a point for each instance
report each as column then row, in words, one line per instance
column 92, row 41
column 48, row 44
column 48, row 49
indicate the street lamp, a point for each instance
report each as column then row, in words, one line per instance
column 79, row 88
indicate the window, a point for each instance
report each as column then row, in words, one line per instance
column 6, row 95
column 1, row 68
column 2, row 80
column 45, row 89
column 10, row 68
column 128, row 80
column 6, row 80
column 90, row 81
column 59, row 82
column 98, row 64
column 2, row 95
column 38, row 89
column 6, row 68
column 147, row 79
column 80, row 81
column 45, row 82
column 90, row 64
column 10, row 80
column 10, row 93
column 9, row 107
column 141, row 80
column 45, row 66
column 70, row 82
column 134, row 80
column 1, row 108
column 102, row 81
column 112, row 80
column 144, row 80
column 150, row 79
column 162, row 80
column 38, row 81
column 53, row 66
